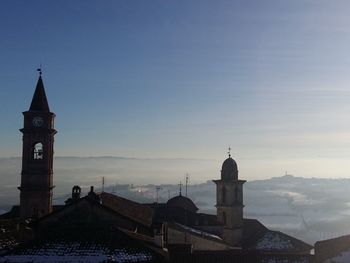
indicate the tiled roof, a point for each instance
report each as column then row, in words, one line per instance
column 7, row 240
column 257, row 237
column 163, row 212
column 252, row 231
column 14, row 212
column 11, row 234
column 87, row 252
column 140, row 213
column 84, row 243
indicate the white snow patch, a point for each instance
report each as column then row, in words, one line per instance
column 344, row 257
column 278, row 260
column 274, row 240
column 76, row 252
column 199, row 232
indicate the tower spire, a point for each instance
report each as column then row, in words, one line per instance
column 39, row 101
column 40, row 70
column 229, row 152
column 37, row 156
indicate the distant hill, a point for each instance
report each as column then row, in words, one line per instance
column 309, row 208
column 86, row 171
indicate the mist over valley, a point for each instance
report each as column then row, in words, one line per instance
column 308, row 208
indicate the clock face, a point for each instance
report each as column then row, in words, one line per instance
column 37, row 121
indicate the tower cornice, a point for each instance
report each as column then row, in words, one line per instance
column 220, row 181
column 38, row 130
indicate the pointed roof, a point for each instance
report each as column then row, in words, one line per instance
column 39, row 101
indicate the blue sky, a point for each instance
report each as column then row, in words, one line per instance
column 185, row 79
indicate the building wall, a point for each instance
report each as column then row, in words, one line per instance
column 36, row 203
column 37, row 173
column 331, row 248
column 175, row 236
column 231, row 196
column 233, row 236
column 230, row 209
column 85, row 212
column 234, row 216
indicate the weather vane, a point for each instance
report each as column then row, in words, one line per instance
column 40, row 70
column 229, row 152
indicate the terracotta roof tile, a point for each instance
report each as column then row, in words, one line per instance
column 138, row 212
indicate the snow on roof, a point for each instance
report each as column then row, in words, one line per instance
column 77, row 252
column 343, row 257
column 198, row 232
column 6, row 240
column 274, row 241
column 279, row 260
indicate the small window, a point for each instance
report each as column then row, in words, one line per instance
column 224, row 218
column 38, row 151
column 237, row 194
column 223, row 197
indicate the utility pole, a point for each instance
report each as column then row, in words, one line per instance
column 114, row 189
column 157, row 192
column 187, row 177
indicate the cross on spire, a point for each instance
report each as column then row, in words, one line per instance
column 40, row 70
column 180, row 188
column 187, row 177
column 39, row 101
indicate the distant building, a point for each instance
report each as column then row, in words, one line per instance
column 335, row 250
column 103, row 227
column 227, row 230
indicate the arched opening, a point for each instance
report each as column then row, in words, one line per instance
column 237, row 194
column 76, row 192
column 223, row 195
column 38, row 151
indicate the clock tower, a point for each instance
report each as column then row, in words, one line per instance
column 37, row 156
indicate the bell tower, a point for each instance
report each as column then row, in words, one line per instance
column 37, row 156
column 229, row 202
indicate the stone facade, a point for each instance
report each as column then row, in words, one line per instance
column 229, row 203
column 37, row 157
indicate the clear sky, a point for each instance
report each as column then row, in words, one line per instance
column 185, row 79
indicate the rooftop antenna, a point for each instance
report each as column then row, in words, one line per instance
column 187, row 177
column 180, row 188
column 157, row 191
column 229, row 152
column 103, row 183
column 114, row 188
